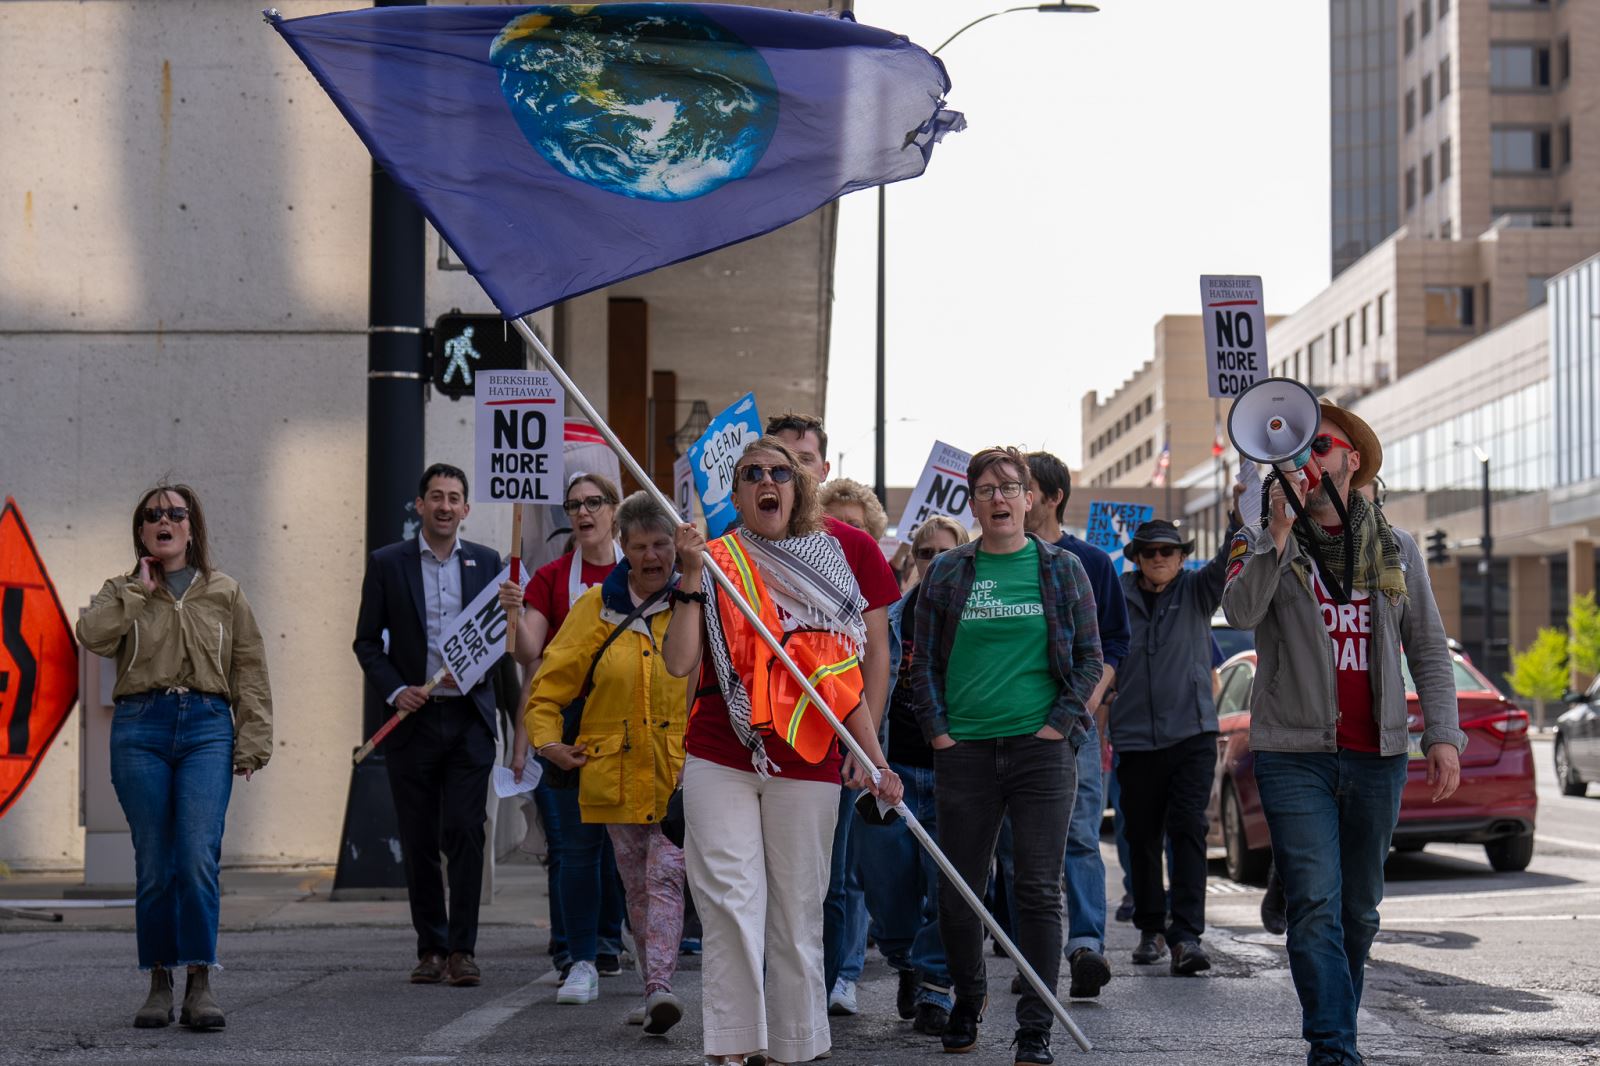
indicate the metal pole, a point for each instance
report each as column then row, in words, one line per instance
column 576, row 396
column 1166, row 473
column 1488, row 572
column 880, row 480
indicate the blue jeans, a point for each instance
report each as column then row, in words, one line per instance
column 1331, row 815
column 1118, row 826
column 591, row 893
column 844, row 911
column 172, row 767
column 901, row 881
column 1085, row 870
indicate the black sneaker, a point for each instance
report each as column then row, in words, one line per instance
column 1125, row 909
column 1152, row 948
column 1017, row 984
column 961, row 1029
column 1033, row 1046
column 1188, row 957
column 931, row 1018
column 1274, row 908
column 1090, row 972
column 905, row 996
column 608, row 965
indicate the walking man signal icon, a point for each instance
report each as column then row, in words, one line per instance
column 457, row 350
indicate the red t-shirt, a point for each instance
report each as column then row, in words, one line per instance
column 1349, row 626
column 710, row 735
column 547, row 590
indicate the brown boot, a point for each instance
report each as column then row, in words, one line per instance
column 200, row 1009
column 157, row 1010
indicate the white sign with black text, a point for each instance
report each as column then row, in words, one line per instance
column 476, row 638
column 1236, row 333
column 942, row 489
column 519, row 441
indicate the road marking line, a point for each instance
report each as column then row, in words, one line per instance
column 1521, row 893
column 1564, row 842
column 1473, row 919
column 477, row 1024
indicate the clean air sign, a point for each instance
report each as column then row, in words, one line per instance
column 1236, row 333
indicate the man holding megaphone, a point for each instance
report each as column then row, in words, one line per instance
column 1333, row 593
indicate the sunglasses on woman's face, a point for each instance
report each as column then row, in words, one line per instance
column 929, row 553
column 753, row 474
column 152, row 515
column 1323, row 443
column 1165, row 552
column 588, row 503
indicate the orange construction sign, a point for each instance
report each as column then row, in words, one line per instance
column 38, row 658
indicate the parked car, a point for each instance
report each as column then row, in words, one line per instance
column 1577, row 746
column 1494, row 806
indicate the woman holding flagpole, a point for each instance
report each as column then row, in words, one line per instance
column 761, row 777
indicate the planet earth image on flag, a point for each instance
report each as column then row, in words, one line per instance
column 637, row 101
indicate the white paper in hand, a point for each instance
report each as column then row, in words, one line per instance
column 506, row 785
column 1250, row 503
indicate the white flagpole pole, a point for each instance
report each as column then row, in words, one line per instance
column 951, row 873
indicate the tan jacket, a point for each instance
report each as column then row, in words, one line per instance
column 207, row 641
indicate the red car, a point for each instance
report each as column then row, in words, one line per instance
column 1494, row 806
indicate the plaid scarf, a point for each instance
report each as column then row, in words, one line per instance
column 1377, row 556
column 810, row 580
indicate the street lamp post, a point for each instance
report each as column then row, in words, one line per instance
column 1486, row 565
column 879, row 476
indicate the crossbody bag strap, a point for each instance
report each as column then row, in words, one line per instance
column 571, row 726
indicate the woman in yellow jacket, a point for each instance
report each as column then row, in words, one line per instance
column 629, row 747
column 192, row 709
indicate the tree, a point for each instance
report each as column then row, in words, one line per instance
column 1539, row 672
column 1583, row 642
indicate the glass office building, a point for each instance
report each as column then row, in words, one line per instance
column 1364, row 137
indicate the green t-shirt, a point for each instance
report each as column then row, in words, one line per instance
column 998, row 681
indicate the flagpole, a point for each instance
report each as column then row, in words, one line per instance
column 951, row 873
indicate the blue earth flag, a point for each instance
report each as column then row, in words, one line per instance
column 561, row 149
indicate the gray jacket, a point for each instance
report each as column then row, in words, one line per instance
column 1294, row 704
column 1164, row 684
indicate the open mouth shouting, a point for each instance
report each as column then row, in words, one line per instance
column 768, row 502
column 164, row 536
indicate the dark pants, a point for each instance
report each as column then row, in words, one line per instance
column 1165, row 791
column 980, row 783
column 1331, row 815
column 439, row 776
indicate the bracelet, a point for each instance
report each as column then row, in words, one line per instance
column 688, row 597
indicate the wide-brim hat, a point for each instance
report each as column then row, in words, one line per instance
column 1361, row 437
column 1156, row 531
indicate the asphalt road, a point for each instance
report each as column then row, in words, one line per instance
column 1472, row 967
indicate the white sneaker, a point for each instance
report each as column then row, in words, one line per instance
column 582, row 984
column 635, row 1016
column 842, row 1000
column 665, row 1010
column 555, row 978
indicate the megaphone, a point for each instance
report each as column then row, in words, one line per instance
column 1274, row 421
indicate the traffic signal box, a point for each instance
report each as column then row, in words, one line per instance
column 465, row 345
column 1438, row 554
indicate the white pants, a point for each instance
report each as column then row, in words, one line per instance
column 758, row 854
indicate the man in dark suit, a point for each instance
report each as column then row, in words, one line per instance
column 440, row 756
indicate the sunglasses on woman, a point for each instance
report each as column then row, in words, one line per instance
column 1323, row 443
column 152, row 515
column 929, row 553
column 588, row 503
column 753, row 474
column 1164, row 552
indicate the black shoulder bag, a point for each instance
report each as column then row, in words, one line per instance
column 572, row 713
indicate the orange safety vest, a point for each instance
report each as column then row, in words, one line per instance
column 778, row 705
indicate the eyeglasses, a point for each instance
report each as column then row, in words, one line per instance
column 1009, row 489
column 1324, row 443
column 928, row 553
column 1165, row 552
column 588, row 503
column 153, row 515
column 752, row 474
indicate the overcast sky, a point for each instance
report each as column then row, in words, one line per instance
column 1110, row 159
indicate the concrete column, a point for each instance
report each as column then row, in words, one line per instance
column 1530, row 599
column 1446, row 581
column 1580, row 568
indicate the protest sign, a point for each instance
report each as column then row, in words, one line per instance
column 714, row 456
column 1111, row 525
column 1236, row 333
column 942, row 489
column 683, row 487
column 519, row 439
column 476, row 637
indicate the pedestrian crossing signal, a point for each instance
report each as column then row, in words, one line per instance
column 1438, row 554
column 466, row 345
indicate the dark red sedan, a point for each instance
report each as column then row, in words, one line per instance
column 1494, row 806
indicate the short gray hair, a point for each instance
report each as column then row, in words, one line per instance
column 640, row 511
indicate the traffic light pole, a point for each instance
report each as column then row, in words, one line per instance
column 1488, row 570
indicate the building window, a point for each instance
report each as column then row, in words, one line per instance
column 1446, row 164
column 1444, row 9
column 1444, row 76
column 1411, row 109
column 1411, row 32
column 1349, row 320
column 1564, row 158
column 1383, row 299
column 1313, row 357
column 1445, row 230
column 1427, row 94
column 1536, row 289
column 1563, row 59
column 1520, row 149
column 1427, row 174
column 1411, row 187
column 1519, row 66
column 1333, row 345
column 1427, row 17
column 1366, row 309
column 1448, row 307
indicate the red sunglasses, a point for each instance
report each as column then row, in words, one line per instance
column 1323, row 443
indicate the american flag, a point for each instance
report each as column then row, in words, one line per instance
column 1159, row 477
